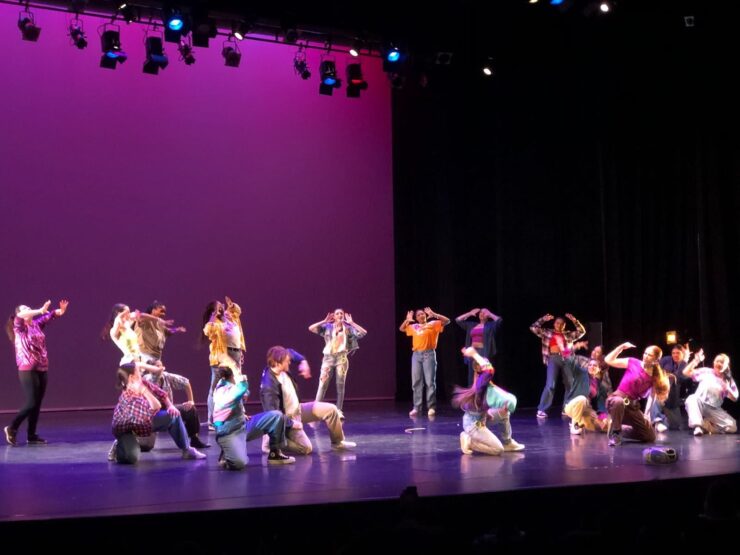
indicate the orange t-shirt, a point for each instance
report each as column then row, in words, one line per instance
column 424, row 337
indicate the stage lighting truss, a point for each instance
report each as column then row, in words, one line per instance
column 300, row 64
column 127, row 12
column 76, row 32
column 328, row 73
column 26, row 23
column 156, row 58
column 110, row 44
column 355, row 81
column 231, row 53
column 185, row 48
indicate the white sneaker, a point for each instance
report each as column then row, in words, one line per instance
column 660, row 428
column 266, row 444
column 541, row 414
column 575, row 429
column 343, row 445
column 112, row 452
column 192, row 453
column 465, row 443
column 431, row 412
column 413, row 412
column 513, row 445
column 698, row 431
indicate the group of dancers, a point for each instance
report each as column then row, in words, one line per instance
column 146, row 403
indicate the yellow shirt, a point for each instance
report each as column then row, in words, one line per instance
column 216, row 333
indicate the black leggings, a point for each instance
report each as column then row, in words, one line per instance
column 33, row 383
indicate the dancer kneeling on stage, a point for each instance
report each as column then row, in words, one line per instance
column 481, row 402
column 588, row 387
column 279, row 391
column 144, row 408
column 705, row 406
column 639, row 380
column 233, row 430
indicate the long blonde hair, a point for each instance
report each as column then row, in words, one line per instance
column 661, row 385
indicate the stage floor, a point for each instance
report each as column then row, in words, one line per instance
column 71, row 476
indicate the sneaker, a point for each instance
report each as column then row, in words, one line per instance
column 343, row 445
column 112, row 452
column 196, row 442
column 575, row 429
column 513, row 445
column 659, row 455
column 661, row 428
column 341, row 415
column 615, row 439
column 697, row 431
column 465, row 443
column 413, row 412
column 266, row 444
column 10, row 435
column 211, row 428
column 192, row 453
column 541, row 414
column 431, row 412
column 37, row 440
column 276, row 457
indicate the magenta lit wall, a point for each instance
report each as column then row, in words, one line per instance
column 117, row 186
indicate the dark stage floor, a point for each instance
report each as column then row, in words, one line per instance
column 70, row 483
column 71, row 478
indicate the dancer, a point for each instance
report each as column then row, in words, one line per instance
column 120, row 330
column 424, row 333
column 25, row 331
column 640, row 379
column 557, row 351
column 142, row 409
column 481, row 402
column 233, row 430
column 152, row 331
column 341, row 334
column 222, row 327
column 704, row 407
column 480, row 334
column 667, row 415
column 279, row 391
column 591, row 386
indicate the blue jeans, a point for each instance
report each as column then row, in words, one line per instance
column 328, row 365
column 234, row 445
column 424, row 373
column 555, row 365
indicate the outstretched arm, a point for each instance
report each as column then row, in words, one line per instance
column 469, row 314
column 34, row 312
column 612, row 358
column 536, row 327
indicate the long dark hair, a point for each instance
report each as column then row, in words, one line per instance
column 461, row 396
column 9, row 325
column 210, row 308
column 117, row 309
column 123, row 373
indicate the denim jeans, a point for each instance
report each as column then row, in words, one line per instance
column 234, row 445
column 329, row 364
column 555, row 365
column 424, row 373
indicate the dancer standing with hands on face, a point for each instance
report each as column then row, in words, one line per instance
column 25, row 331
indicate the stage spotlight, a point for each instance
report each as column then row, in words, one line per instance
column 156, row 59
column 355, row 81
column 77, row 34
column 605, row 7
column 329, row 79
column 671, row 337
column 127, row 12
column 186, row 52
column 174, row 19
column 488, row 67
column 397, row 80
column 300, row 65
column 110, row 43
column 176, row 23
column 556, row 2
column 27, row 25
column 393, row 58
column 230, row 52
column 240, row 31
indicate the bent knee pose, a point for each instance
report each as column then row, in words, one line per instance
column 484, row 402
column 591, row 387
column 641, row 377
column 233, row 430
column 25, row 330
column 557, row 355
column 279, row 391
column 341, row 334
column 142, row 409
column 704, row 407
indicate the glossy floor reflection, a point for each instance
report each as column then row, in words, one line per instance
column 71, row 477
